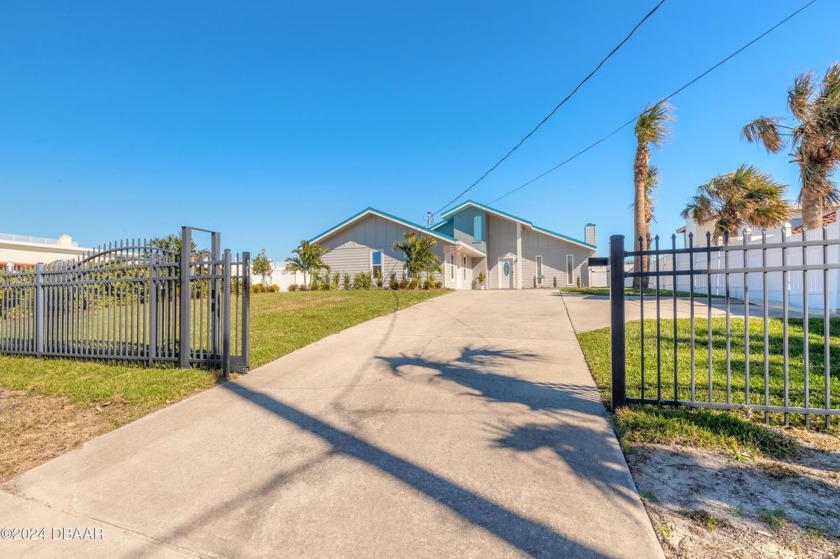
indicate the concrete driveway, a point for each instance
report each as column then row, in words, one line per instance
column 465, row 426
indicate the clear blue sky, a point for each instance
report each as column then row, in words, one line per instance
column 271, row 121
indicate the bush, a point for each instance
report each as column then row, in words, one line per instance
column 555, row 282
column 438, row 284
column 258, row 288
column 535, row 282
column 347, row 284
column 273, row 288
column 392, row 281
column 335, row 281
column 293, row 287
column 363, row 280
column 379, row 281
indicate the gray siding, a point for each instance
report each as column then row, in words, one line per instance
column 501, row 242
column 350, row 249
column 464, row 225
column 554, row 252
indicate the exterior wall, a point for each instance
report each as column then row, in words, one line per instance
column 501, row 243
column 554, row 252
column 350, row 249
column 464, row 225
column 28, row 253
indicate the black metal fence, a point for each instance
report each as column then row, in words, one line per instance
column 747, row 325
column 135, row 301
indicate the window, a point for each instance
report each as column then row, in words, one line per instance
column 570, row 269
column 539, row 270
column 376, row 263
column 478, row 228
column 452, row 266
column 465, row 268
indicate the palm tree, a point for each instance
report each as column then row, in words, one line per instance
column 308, row 259
column 744, row 197
column 651, row 130
column 650, row 188
column 419, row 257
column 814, row 140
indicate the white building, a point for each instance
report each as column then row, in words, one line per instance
column 25, row 251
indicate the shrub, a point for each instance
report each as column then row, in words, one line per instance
column 258, row 288
column 273, row 288
column 335, row 281
column 481, row 277
column 379, row 281
column 578, row 282
column 555, row 281
column 438, row 284
column 393, row 283
column 293, row 287
column 362, row 280
column 535, row 282
column 347, row 284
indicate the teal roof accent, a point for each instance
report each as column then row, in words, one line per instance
column 387, row 216
column 447, row 215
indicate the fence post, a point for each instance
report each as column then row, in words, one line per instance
column 246, row 308
column 39, row 309
column 152, row 303
column 617, row 332
column 184, row 318
column 226, row 315
column 215, row 299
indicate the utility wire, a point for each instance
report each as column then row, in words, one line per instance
column 554, row 110
column 629, row 122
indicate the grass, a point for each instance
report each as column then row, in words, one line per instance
column 48, row 406
column 701, row 428
column 725, row 386
column 775, row 519
column 284, row 322
column 732, row 432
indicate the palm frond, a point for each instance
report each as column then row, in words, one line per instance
column 743, row 197
column 765, row 130
column 800, row 94
column 652, row 124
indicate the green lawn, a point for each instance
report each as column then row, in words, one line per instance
column 46, row 401
column 284, row 322
column 281, row 323
column 705, row 427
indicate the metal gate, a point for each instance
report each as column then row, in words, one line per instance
column 136, row 301
column 730, row 336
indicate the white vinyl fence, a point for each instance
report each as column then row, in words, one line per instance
column 757, row 256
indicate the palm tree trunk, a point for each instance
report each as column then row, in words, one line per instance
column 640, row 172
column 812, row 211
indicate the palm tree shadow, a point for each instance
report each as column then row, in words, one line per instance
column 573, row 443
column 490, row 373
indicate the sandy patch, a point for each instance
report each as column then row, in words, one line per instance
column 706, row 503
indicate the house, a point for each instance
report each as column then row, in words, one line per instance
column 512, row 252
column 18, row 251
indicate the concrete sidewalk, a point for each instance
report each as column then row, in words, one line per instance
column 464, row 426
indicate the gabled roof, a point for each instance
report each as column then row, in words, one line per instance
column 373, row 211
column 448, row 215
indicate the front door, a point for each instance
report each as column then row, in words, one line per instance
column 506, row 273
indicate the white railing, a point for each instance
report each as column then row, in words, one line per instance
column 34, row 240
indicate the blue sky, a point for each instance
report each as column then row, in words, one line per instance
column 272, row 121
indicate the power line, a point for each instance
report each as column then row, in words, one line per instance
column 629, row 122
column 554, row 110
